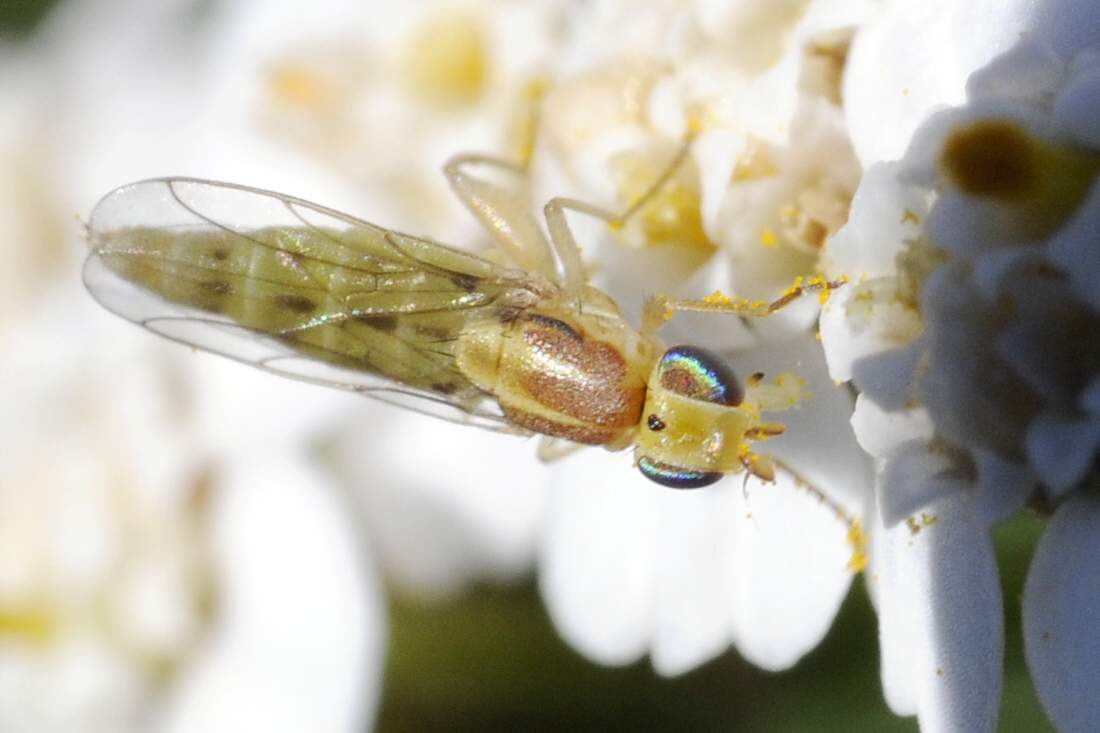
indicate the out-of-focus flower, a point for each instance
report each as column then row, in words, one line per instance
column 381, row 95
column 971, row 330
column 145, row 579
column 106, row 584
column 154, row 570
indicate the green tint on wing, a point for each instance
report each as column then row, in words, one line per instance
column 228, row 268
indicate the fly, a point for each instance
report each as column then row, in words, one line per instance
column 308, row 292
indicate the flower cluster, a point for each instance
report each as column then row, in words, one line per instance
column 972, row 332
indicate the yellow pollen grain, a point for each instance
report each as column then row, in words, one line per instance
column 698, row 120
column 909, row 217
column 768, row 238
column 718, row 298
column 755, row 162
column 857, row 538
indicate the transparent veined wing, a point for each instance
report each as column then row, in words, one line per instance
column 301, row 290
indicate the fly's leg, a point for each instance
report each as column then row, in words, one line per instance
column 660, row 308
column 551, row 450
column 506, row 216
column 574, row 277
column 503, row 212
column 857, row 537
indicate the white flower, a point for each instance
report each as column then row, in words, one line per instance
column 971, row 331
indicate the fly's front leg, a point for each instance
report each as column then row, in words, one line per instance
column 660, row 308
column 565, row 244
column 504, row 212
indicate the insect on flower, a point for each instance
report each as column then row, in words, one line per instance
column 304, row 291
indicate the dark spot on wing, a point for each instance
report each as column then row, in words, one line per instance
column 433, row 333
column 215, row 287
column 296, row 303
column 220, row 253
column 465, row 282
column 655, row 423
column 384, row 323
column 445, row 388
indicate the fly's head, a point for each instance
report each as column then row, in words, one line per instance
column 699, row 422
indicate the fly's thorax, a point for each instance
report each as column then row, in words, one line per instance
column 562, row 372
column 693, row 425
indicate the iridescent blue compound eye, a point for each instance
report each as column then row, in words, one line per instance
column 699, row 374
column 675, row 477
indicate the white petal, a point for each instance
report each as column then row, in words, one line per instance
column 884, row 215
column 915, row 477
column 886, row 102
column 301, row 637
column 896, row 602
column 1060, row 447
column 889, row 377
column 444, row 504
column 819, row 441
column 881, row 432
column 599, row 554
column 992, row 268
column 692, row 612
column 789, row 565
column 1004, row 486
column 940, row 619
column 715, row 153
column 1073, row 248
column 1076, row 105
column 1061, row 615
column 1025, row 73
column 864, row 319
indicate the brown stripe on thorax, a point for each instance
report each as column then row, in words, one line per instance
column 564, row 370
